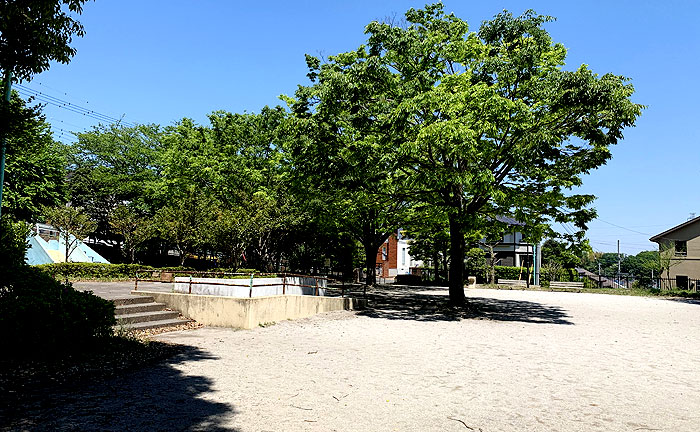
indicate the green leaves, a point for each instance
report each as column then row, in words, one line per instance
column 34, row 33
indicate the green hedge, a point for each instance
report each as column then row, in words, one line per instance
column 507, row 272
column 92, row 271
column 41, row 316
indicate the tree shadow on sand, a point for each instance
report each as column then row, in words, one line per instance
column 430, row 304
column 685, row 300
column 153, row 398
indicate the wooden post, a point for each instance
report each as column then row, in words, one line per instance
column 316, row 291
column 190, row 290
column 284, row 283
column 250, row 293
column 136, row 281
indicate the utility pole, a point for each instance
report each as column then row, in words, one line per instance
column 618, row 263
column 8, row 88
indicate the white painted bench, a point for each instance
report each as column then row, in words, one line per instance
column 513, row 282
column 565, row 285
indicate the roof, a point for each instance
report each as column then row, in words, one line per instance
column 658, row 237
column 508, row 220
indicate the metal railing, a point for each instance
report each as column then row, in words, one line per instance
column 288, row 280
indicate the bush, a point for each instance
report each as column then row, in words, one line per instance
column 96, row 271
column 13, row 244
column 41, row 316
column 507, row 272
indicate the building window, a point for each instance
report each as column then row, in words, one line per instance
column 681, row 247
column 682, row 282
column 403, row 256
column 385, row 253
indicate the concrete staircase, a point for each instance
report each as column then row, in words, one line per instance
column 143, row 313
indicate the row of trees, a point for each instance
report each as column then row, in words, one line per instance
column 428, row 126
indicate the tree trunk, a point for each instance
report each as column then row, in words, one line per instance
column 492, row 265
column 66, row 238
column 371, row 263
column 456, row 285
column 436, row 263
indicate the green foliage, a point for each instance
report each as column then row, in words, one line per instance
column 100, row 271
column 343, row 151
column 73, row 226
column 133, row 229
column 13, row 244
column 34, row 33
column 475, row 263
column 35, row 169
column 490, row 123
column 563, row 254
column 112, row 165
column 41, row 316
column 508, row 272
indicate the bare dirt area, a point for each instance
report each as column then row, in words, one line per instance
column 520, row 361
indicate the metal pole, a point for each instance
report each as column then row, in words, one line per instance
column 8, row 93
column 618, row 263
column 527, row 269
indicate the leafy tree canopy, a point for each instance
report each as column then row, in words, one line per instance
column 491, row 123
column 36, row 32
column 35, row 171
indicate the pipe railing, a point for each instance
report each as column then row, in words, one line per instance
column 240, row 276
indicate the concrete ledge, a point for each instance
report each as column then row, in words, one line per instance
column 248, row 313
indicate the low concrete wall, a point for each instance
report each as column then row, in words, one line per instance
column 262, row 287
column 248, row 313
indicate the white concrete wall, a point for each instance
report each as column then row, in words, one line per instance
column 241, row 287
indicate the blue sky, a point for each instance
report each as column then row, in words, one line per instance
column 159, row 61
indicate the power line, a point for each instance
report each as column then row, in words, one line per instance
column 69, row 106
column 621, row 227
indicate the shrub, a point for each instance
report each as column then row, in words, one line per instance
column 13, row 244
column 93, row 271
column 507, row 272
column 41, row 316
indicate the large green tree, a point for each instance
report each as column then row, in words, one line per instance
column 113, row 165
column 343, row 155
column 32, row 34
column 35, row 171
column 492, row 123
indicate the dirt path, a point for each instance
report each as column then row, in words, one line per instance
column 536, row 361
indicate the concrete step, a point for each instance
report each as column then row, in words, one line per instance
column 139, row 307
column 122, row 301
column 146, row 316
column 156, row 324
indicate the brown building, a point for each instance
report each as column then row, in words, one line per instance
column 394, row 258
column 681, row 244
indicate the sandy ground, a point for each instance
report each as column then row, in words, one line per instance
column 534, row 361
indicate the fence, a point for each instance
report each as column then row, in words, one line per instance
column 237, row 284
column 626, row 281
